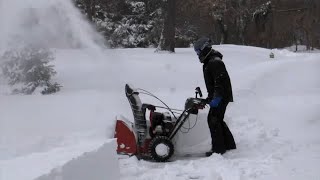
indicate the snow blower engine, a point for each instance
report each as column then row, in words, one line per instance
column 151, row 138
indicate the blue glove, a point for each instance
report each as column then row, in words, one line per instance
column 215, row 102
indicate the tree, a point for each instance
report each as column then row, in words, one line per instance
column 263, row 23
column 167, row 39
column 126, row 23
column 28, row 69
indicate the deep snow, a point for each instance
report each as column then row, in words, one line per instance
column 275, row 117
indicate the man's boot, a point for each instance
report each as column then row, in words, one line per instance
column 209, row 153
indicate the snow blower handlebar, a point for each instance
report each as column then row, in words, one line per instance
column 198, row 103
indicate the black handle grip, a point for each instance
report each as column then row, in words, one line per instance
column 198, row 90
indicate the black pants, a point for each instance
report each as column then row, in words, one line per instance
column 221, row 136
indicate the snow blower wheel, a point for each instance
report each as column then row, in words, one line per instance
column 161, row 148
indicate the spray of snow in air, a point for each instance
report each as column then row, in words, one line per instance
column 49, row 23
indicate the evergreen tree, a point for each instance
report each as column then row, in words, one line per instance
column 28, row 69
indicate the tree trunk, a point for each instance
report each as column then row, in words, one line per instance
column 91, row 9
column 167, row 40
column 308, row 39
column 224, row 32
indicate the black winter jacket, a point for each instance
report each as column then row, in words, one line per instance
column 217, row 78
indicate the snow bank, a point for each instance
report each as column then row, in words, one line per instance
column 101, row 164
column 194, row 135
column 41, row 158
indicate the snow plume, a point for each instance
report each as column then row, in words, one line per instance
column 49, row 23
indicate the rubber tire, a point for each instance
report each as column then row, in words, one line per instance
column 155, row 142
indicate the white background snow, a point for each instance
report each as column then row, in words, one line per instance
column 275, row 118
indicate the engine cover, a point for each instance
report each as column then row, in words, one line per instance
column 163, row 121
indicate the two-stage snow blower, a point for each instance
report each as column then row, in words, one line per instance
column 151, row 138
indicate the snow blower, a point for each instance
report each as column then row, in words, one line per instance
column 151, row 138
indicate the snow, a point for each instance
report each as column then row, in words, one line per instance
column 37, row 163
column 274, row 119
column 96, row 165
column 27, row 22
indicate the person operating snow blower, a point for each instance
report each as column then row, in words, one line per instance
column 219, row 89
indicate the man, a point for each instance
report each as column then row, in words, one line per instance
column 219, row 95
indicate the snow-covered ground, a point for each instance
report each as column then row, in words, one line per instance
column 275, row 118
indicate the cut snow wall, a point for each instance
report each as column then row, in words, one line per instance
column 197, row 139
column 101, row 164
